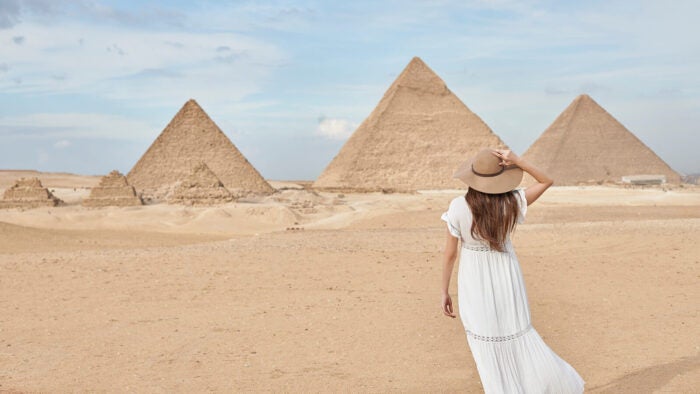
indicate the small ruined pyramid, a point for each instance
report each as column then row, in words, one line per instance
column 201, row 187
column 586, row 144
column 415, row 138
column 192, row 137
column 113, row 190
column 28, row 193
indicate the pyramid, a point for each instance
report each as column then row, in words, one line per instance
column 28, row 193
column 113, row 190
column 192, row 137
column 586, row 144
column 414, row 139
column 201, row 187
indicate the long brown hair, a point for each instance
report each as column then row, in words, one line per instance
column 494, row 216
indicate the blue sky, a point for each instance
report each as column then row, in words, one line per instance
column 87, row 85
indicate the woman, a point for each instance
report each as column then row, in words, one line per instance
column 509, row 354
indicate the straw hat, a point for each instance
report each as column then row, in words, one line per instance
column 484, row 173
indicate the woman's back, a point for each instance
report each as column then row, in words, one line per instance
column 460, row 219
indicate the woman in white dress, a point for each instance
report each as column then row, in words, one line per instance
column 510, row 355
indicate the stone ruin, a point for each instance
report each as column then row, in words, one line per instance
column 113, row 190
column 28, row 193
column 201, row 187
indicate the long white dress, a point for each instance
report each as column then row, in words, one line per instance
column 510, row 355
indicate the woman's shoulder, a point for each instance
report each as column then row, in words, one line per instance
column 520, row 193
column 459, row 200
column 458, row 204
column 522, row 203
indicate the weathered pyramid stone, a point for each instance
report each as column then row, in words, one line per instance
column 201, row 187
column 28, row 193
column 414, row 139
column 113, row 190
column 192, row 137
column 586, row 144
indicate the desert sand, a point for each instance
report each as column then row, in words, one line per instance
column 306, row 291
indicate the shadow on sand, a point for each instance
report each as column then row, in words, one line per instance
column 648, row 379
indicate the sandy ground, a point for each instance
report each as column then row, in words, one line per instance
column 231, row 298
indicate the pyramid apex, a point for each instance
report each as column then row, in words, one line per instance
column 417, row 64
column 418, row 75
column 584, row 98
column 192, row 102
column 586, row 101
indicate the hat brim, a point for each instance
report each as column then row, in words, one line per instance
column 504, row 182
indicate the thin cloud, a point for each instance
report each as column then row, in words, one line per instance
column 9, row 13
column 74, row 125
column 62, row 144
column 14, row 12
column 335, row 129
column 135, row 56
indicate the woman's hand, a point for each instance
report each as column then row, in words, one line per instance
column 447, row 306
column 507, row 157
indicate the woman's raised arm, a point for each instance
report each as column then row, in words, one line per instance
column 532, row 192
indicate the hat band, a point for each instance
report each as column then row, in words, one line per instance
column 503, row 168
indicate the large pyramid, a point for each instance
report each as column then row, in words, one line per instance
column 190, row 138
column 586, row 144
column 414, row 139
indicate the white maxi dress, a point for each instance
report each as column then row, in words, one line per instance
column 510, row 355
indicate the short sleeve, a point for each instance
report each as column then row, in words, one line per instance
column 522, row 203
column 452, row 224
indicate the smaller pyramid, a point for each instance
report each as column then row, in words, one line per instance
column 201, row 187
column 113, row 190
column 28, row 193
column 585, row 144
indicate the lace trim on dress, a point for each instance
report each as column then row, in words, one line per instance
column 500, row 339
column 478, row 248
column 485, row 248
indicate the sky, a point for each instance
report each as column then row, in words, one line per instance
column 87, row 85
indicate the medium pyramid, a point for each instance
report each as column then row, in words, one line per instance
column 192, row 137
column 201, row 187
column 586, row 144
column 113, row 190
column 414, row 139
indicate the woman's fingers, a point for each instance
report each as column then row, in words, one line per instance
column 447, row 308
column 504, row 155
